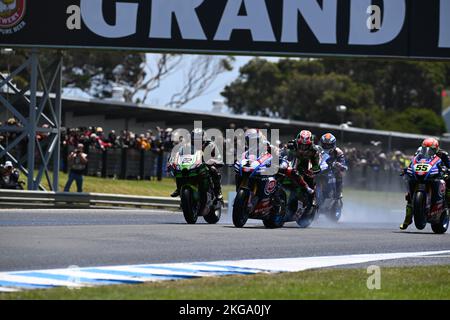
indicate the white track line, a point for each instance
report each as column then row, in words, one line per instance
column 300, row 264
column 79, row 277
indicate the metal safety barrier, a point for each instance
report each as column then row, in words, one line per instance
column 40, row 199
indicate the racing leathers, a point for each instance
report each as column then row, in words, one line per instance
column 339, row 165
column 302, row 174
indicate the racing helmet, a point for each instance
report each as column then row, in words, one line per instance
column 328, row 142
column 304, row 140
column 252, row 137
column 431, row 143
column 197, row 134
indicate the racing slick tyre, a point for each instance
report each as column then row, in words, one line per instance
column 274, row 221
column 240, row 211
column 420, row 219
column 307, row 218
column 214, row 214
column 189, row 208
column 442, row 226
column 335, row 213
column 277, row 220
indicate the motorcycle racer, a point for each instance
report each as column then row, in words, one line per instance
column 305, row 153
column 433, row 144
column 213, row 164
column 337, row 160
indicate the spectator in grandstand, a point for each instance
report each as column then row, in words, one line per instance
column 142, row 143
column 9, row 177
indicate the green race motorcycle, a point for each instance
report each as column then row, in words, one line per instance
column 299, row 206
column 196, row 188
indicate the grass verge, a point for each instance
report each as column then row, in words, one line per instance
column 403, row 283
column 151, row 188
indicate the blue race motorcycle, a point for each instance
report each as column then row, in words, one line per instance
column 425, row 178
column 326, row 193
column 256, row 193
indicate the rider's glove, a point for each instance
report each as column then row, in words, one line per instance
column 309, row 190
column 291, row 145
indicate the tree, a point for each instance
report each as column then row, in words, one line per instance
column 315, row 97
column 295, row 89
column 414, row 120
column 397, row 85
column 255, row 90
column 386, row 95
column 201, row 73
column 139, row 74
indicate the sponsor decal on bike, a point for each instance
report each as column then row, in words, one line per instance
column 437, row 208
column 270, row 187
column 441, row 189
column 12, row 13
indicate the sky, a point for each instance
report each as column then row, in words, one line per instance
column 162, row 95
column 169, row 85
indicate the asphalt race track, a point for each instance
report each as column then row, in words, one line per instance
column 44, row 239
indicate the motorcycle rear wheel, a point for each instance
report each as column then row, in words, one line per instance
column 335, row 213
column 305, row 220
column 442, row 226
column 274, row 221
column 214, row 214
column 277, row 220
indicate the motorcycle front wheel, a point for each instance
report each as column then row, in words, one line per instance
column 420, row 219
column 189, row 207
column 240, row 211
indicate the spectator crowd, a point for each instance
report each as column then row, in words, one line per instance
column 95, row 137
column 369, row 167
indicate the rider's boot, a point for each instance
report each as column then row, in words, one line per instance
column 175, row 194
column 217, row 185
column 408, row 218
column 312, row 202
column 338, row 189
column 219, row 195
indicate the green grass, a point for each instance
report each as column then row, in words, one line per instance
column 368, row 198
column 152, row 188
column 410, row 283
column 166, row 186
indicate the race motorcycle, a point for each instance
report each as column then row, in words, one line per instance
column 256, row 192
column 425, row 177
column 196, row 188
column 326, row 193
column 299, row 205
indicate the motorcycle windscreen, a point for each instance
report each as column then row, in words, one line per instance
column 425, row 153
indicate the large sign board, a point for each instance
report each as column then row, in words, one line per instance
column 383, row 28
